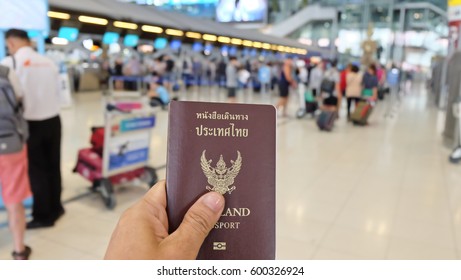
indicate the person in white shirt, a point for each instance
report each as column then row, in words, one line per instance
column 316, row 78
column 39, row 79
column 302, row 76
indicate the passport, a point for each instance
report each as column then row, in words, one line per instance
column 230, row 149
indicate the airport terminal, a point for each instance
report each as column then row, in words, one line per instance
column 366, row 96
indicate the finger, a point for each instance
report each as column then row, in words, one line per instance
column 197, row 223
column 156, row 202
column 156, row 196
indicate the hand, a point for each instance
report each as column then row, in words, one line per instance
column 142, row 232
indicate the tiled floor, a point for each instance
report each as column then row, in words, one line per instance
column 385, row 191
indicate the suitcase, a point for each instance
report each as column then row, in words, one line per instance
column 326, row 120
column 89, row 165
column 97, row 140
column 361, row 113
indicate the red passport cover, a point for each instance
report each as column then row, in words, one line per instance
column 229, row 148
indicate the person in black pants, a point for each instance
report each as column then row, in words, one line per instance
column 44, row 149
column 39, row 78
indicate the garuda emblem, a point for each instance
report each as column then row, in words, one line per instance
column 221, row 177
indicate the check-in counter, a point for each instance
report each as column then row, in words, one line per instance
column 89, row 77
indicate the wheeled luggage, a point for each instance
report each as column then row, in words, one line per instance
column 326, row 120
column 361, row 113
column 89, row 165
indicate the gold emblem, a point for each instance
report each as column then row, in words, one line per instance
column 221, row 177
column 219, row 246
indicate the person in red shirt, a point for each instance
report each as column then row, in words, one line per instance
column 343, row 79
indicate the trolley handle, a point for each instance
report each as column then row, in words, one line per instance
column 127, row 78
column 114, row 108
column 111, row 108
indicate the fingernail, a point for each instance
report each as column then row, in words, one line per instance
column 214, row 201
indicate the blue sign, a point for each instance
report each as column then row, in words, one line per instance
column 233, row 51
column 197, row 47
column 33, row 33
column 131, row 40
column 208, row 48
column 160, row 43
column 175, row 45
column 68, row 33
column 120, row 160
column 110, row 38
column 137, row 124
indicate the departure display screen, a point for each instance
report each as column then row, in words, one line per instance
column 175, row 45
column 68, row 33
column 110, row 38
column 131, row 40
column 160, row 43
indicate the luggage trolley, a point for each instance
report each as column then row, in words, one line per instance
column 120, row 150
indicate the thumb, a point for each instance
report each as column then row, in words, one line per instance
column 197, row 223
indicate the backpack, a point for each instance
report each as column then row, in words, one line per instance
column 327, row 86
column 13, row 127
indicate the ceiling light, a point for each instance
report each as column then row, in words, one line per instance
column 126, row 25
column 88, row 44
column 305, row 41
column 224, row 40
column 93, row 20
column 193, row 35
column 267, row 46
column 152, row 29
column 58, row 15
column 323, row 42
column 257, row 45
column 174, row 32
column 236, row 41
column 209, row 37
column 59, row 41
column 247, row 43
